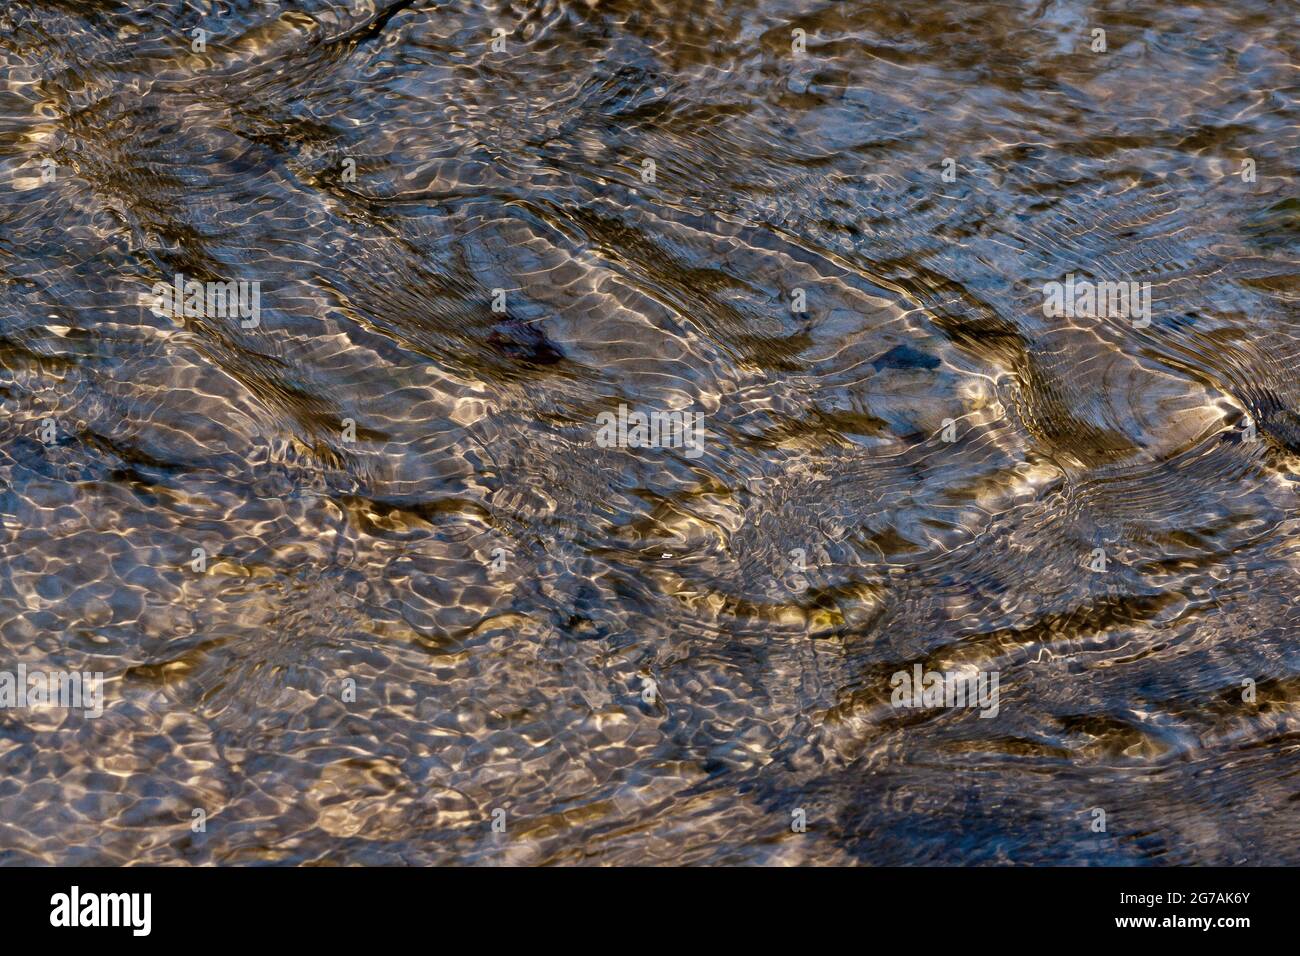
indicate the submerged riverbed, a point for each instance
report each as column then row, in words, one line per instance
column 378, row 564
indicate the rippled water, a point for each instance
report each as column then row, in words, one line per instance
column 640, row 655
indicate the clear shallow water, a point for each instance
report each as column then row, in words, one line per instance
column 520, row 687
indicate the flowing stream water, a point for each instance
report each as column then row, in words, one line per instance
column 367, row 584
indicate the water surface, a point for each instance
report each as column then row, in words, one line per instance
column 398, row 486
